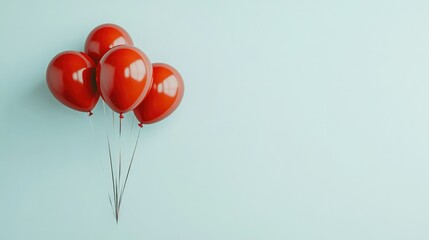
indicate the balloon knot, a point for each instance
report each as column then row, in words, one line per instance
column 141, row 125
column 121, row 116
column 90, row 114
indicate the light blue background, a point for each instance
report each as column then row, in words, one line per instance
column 301, row 120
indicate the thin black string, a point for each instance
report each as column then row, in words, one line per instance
column 111, row 204
column 114, row 186
column 120, row 150
column 101, row 164
column 120, row 163
column 129, row 168
column 111, row 164
column 113, row 119
column 92, row 126
column 132, row 124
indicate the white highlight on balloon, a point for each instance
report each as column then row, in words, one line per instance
column 127, row 72
column 117, row 42
column 78, row 75
column 168, row 86
column 136, row 70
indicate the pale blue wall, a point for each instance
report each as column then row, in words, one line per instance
column 301, row 120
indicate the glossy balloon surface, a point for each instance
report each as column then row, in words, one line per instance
column 71, row 79
column 125, row 75
column 105, row 37
column 164, row 96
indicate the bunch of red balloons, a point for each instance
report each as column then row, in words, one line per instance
column 113, row 68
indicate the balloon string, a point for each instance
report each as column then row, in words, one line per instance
column 92, row 126
column 111, row 204
column 130, row 139
column 113, row 119
column 120, row 159
column 114, row 185
column 129, row 168
column 132, row 124
column 101, row 163
column 111, row 166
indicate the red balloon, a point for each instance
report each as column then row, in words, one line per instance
column 103, row 38
column 71, row 78
column 125, row 75
column 164, row 96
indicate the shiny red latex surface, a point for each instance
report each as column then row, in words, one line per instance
column 164, row 96
column 103, row 38
column 125, row 75
column 71, row 79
